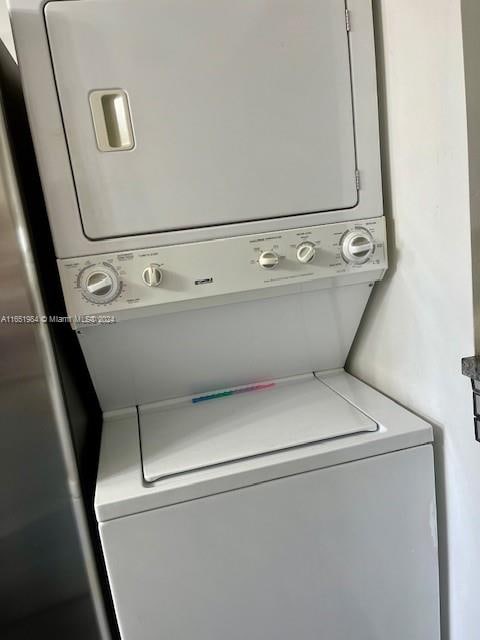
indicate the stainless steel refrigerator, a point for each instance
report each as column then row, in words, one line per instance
column 51, row 576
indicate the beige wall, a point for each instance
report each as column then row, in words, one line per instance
column 420, row 321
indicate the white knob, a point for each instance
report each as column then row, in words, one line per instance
column 152, row 275
column 305, row 252
column 357, row 246
column 268, row 260
column 99, row 284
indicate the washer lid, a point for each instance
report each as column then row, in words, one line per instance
column 181, row 436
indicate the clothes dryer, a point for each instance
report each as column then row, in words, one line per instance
column 159, row 122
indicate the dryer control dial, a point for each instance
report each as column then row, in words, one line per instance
column 305, row 252
column 268, row 260
column 152, row 275
column 100, row 284
column 357, row 246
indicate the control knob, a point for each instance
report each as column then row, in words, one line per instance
column 268, row 260
column 305, row 252
column 152, row 275
column 99, row 284
column 357, row 246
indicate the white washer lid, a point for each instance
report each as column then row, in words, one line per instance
column 181, row 436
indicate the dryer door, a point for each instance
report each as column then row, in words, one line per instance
column 189, row 113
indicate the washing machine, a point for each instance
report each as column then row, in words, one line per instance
column 301, row 509
column 248, row 486
column 212, row 177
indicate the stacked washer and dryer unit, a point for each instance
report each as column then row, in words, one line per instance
column 212, row 176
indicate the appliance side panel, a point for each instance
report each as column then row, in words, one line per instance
column 348, row 552
column 150, row 359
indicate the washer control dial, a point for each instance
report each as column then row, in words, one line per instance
column 357, row 246
column 305, row 252
column 100, row 284
column 152, row 275
column 268, row 260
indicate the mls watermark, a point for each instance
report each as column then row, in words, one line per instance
column 36, row 319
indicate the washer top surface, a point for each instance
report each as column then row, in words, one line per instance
column 187, row 435
column 121, row 488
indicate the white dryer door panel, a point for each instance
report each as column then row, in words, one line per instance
column 218, row 111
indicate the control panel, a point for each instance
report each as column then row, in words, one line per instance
column 169, row 274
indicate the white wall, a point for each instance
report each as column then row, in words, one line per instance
column 5, row 30
column 420, row 321
column 471, row 46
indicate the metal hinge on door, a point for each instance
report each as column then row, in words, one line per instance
column 357, row 179
column 348, row 23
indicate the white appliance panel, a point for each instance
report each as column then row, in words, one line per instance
column 122, row 491
column 209, row 270
column 227, row 110
column 183, row 436
column 343, row 552
column 158, row 357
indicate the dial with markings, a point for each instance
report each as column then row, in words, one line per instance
column 100, row 283
column 357, row 246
